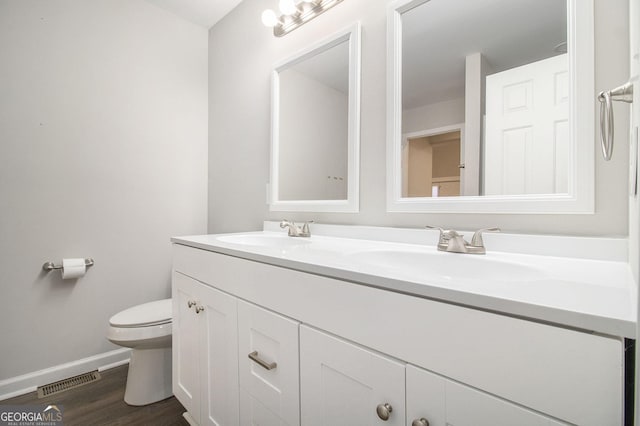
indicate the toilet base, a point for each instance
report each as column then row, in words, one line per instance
column 149, row 377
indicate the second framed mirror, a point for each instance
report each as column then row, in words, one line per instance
column 490, row 106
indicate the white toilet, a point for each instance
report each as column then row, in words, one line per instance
column 146, row 329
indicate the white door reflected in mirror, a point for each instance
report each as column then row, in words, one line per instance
column 527, row 129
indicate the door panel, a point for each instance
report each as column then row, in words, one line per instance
column 342, row 383
column 527, row 138
column 443, row 402
column 219, row 363
column 186, row 380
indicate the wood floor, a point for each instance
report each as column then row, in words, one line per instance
column 101, row 403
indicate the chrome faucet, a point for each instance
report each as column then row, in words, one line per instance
column 295, row 230
column 452, row 242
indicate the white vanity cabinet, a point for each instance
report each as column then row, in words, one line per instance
column 205, row 352
column 362, row 347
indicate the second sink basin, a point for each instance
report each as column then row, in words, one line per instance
column 448, row 266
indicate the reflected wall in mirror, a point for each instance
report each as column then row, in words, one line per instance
column 315, row 127
column 484, row 105
column 314, row 111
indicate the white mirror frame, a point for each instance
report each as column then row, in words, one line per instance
column 352, row 203
column 580, row 198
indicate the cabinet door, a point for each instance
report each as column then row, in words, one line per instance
column 269, row 378
column 218, row 348
column 343, row 384
column 442, row 402
column 185, row 341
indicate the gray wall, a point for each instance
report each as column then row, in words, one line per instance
column 103, row 146
column 241, row 55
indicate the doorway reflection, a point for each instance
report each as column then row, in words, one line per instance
column 432, row 165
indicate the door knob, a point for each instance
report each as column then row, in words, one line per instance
column 420, row 422
column 384, row 410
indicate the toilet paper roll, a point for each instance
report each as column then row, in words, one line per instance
column 73, row 268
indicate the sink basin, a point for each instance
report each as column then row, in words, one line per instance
column 448, row 266
column 264, row 240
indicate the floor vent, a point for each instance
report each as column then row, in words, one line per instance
column 66, row 384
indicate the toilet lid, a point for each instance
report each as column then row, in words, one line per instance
column 147, row 314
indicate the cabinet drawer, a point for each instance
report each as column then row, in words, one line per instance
column 253, row 412
column 269, row 382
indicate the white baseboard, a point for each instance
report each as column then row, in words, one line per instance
column 116, row 364
column 189, row 419
column 29, row 382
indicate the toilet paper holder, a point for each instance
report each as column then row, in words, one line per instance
column 50, row 266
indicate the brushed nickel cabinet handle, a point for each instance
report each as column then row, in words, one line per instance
column 191, row 304
column 199, row 309
column 420, row 422
column 384, row 410
column 253, row 356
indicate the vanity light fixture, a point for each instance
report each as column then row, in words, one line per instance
column 295, row 13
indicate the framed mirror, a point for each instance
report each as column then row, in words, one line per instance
column 490, row 106
column 315, row 127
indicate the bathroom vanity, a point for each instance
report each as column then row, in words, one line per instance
column 328, row 330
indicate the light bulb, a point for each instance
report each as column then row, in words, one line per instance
column 287, row 7
column 269, row 18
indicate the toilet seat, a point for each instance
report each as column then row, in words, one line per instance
column 146, row 329
column 145, row 315
column 140, row 336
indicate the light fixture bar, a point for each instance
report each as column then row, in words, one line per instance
column 305, row 13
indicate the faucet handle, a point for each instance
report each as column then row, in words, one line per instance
column 293, row 228
column 305, row 227
column 286, row 223
column 477, row 241
column 445, row 234
column 442, row 232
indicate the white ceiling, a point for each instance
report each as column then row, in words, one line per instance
column 201, row 12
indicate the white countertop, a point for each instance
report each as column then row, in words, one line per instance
column 593, row 292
